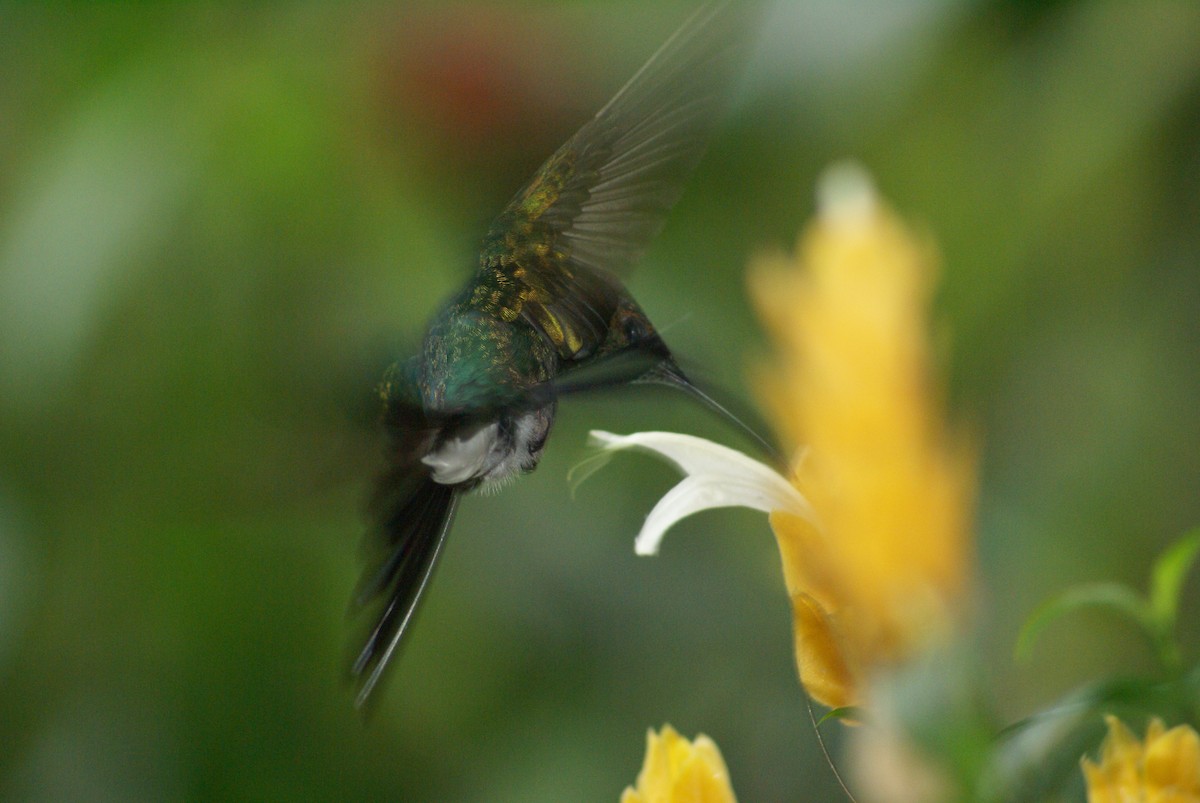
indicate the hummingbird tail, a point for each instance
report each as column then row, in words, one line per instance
column 413, row 517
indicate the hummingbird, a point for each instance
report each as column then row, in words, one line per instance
column 544, row 316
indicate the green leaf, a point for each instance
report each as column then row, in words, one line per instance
column 1170, row 571
column 1145, row 695
column 847, row 713
column 1113, row 596
column 1191, row 687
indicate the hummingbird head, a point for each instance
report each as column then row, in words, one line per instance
column 631, row 328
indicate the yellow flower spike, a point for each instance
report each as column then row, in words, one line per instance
column 1165, row 768
column 678, row 771
column 890, row 490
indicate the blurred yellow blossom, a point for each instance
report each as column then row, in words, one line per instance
column 873, row 524
column 678, row 771
column 882, row 565
column 1163, row 769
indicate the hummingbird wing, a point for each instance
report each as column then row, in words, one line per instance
column 595, row 205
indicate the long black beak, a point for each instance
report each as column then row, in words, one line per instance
column 667, row 372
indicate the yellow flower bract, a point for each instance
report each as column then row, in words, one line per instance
column 1165, row 768
column 885, row 564
column 679, row 771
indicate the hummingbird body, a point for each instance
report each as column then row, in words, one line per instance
column 496, row 347
column 543, row 317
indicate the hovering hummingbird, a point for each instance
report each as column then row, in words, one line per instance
column 544, row 316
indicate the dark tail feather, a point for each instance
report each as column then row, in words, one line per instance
column 412, row 525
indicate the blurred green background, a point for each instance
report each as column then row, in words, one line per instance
column 218, row 222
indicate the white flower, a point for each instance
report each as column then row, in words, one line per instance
column 716, row 476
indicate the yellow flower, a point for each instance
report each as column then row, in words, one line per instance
column 679, row 771
column 1163, row 769
column 882, row 565
column 873, row 525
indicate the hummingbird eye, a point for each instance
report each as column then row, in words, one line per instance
column 634, row 329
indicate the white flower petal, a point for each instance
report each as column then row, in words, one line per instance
column 717, row 476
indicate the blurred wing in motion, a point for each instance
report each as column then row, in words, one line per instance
column 596, row 204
